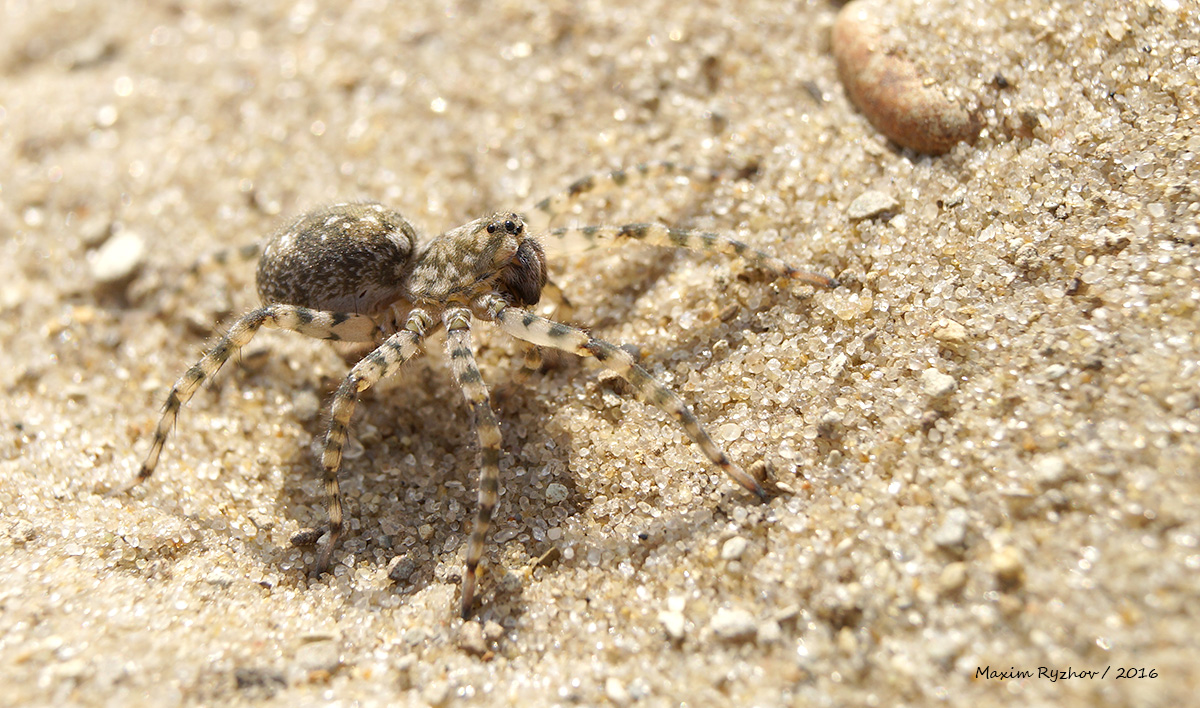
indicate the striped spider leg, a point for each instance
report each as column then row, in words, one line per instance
column 544, row 212
column 462, row 361
column 319, row 324
column 535, row 329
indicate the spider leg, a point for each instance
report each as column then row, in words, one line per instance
column 553, row 206
column 318, row 324
column 562, row 309
column 534, row 329
column 530, row 365
column 585, row 238
column 466, row 373
column 382, row 362
column 562, row 306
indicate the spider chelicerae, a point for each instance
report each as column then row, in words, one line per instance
column 359, row 272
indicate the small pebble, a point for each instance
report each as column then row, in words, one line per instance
column 21, row 531
column 1056, row 371
column 1049, row 470
column 946, row 330
column 401, row 568
column 908, row 108
column 1008, row 564
column 118, row 259
column 436, row 693
column 492, row 631
column 1115, row 28
column 847, row 643
column 307, row 537
column 1026, row 257
column 324, row 655
column 935, row 384
column 615, row 691
column 953, row 531
column 787, row 614
column 952, row 578
column 470, row 639
column 306, row 405
column 734, row 548
column 871, row 203
column 69, row 670
column 674, row 624
column 734, row 625
column 769, row 632
column 830, row 425
column 95, row 230
column 556, row 493
column 219, row 578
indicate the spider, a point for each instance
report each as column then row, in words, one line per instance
column 359, row 272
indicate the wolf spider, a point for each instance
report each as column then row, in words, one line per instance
column 358, row 272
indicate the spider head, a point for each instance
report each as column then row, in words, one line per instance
column 511, row 224
column 494, row 253
column 523, row 270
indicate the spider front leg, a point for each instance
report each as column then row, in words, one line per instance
column 382, row 362
column 466, row 373
column 531, row 363
column 534, row 329
column 312, row 323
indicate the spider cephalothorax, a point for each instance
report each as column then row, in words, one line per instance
column 495, row 252
column 358, row 272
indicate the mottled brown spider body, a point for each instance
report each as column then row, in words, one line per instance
column 343, row 258
column 359, row 272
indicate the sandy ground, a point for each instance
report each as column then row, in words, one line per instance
column 990, row 431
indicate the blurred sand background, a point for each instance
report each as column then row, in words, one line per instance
column 990, row 430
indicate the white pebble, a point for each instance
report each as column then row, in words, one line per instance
column 219, row 578
column 952, row 578
column 1049, row 470
column 953, row 531
column 734, row 625
column 935, row 384
column 436, row 693
column 470, row 639
column 734, row 548
column 945, row 330
column 673, row 623
column 118, row 258
column 769, row 632
column 871, row 203
column 616, row 692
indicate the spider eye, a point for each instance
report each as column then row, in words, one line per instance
column 491, row 228
column 510, row 227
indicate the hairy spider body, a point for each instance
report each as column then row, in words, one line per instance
column 343, row 258
column 358, row 272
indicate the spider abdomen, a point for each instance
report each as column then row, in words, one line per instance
column 344, row 258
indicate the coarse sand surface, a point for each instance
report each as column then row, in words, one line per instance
column 987, row 438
